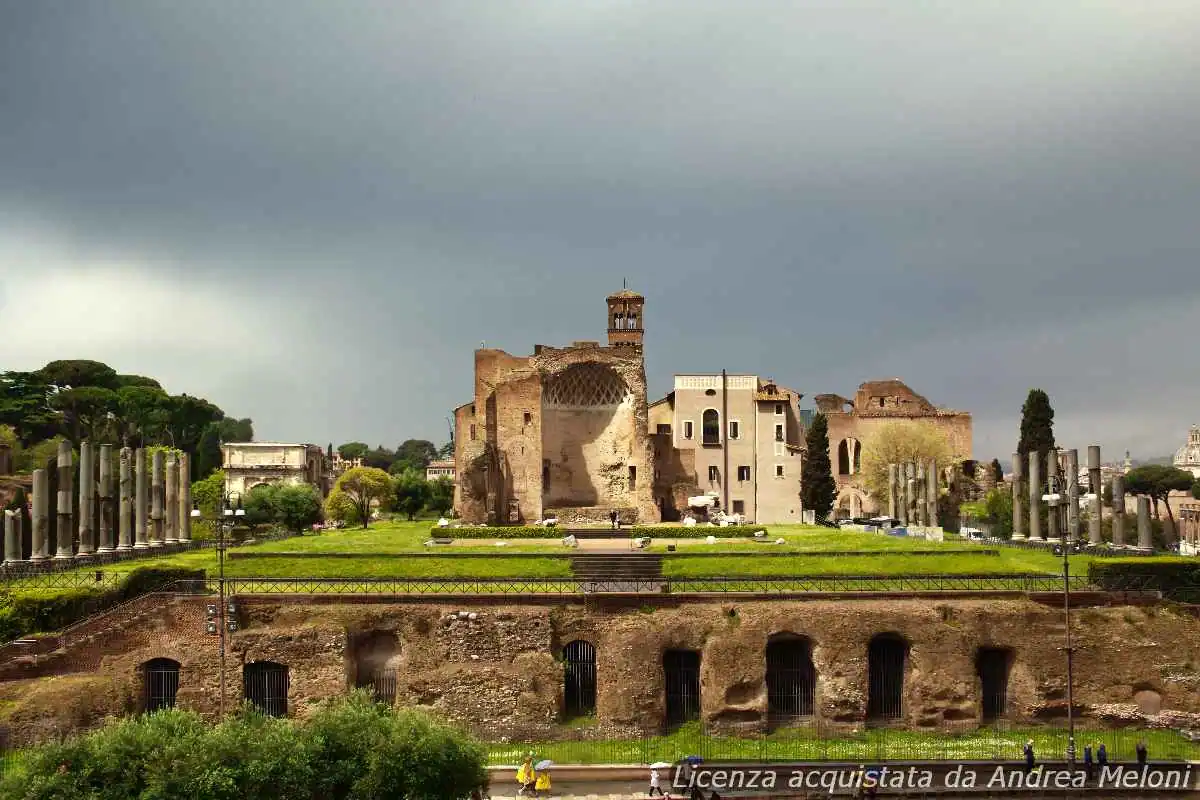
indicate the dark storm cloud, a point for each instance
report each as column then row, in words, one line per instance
column 976, row 197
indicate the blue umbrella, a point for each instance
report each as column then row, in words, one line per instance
column 541, row 765
column 693, row 759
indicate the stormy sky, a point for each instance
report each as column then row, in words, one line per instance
column 312, row 212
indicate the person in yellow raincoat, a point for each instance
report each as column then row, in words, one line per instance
column 543, row 783
column 525, row 775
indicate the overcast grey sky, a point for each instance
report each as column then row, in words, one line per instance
column 312, row 212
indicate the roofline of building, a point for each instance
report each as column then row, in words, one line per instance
column 270, row 444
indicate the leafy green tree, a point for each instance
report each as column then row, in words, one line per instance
column 85, row 409
column 413, row 454
column 441, row 496
column 297, row 506
column 1157, row 481
column 187, row 418
column 1196, row 490
column 817, row 487
column 262, row 504
column 137, row 380
column 997, row 471
column 363, row 488
column 143, row 411
column 77, row 373
column 899, row 443
column 25, row 405
column 379, row 458
column 207, row 492
column 353, row 450
column 446, row 451
column 412, row 492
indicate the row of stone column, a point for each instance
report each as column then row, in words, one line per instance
column 1062, row 470
column 152, row 509
column 913, row 489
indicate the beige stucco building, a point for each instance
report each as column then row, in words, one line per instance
column 439, row 469
column 735, row 435
column 250, row 464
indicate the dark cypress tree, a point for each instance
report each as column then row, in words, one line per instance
column 817, row 487
column 997, row 471
column 1037, row 425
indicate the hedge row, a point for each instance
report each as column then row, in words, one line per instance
column 25, row 612
column 653, row 531
column 1177, row 578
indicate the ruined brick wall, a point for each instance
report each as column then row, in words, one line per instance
column 498, row 673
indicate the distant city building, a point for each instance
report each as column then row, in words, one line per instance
column 1188, row 456
column 439, row 469
column 251, row 464
column 342, row 465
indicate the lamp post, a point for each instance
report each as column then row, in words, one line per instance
column 230, row 511
column 1056, row 484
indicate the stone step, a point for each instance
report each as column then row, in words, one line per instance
column 629, row 566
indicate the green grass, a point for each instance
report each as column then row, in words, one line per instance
column 867, row 746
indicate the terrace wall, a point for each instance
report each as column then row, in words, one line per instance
column 500, row 674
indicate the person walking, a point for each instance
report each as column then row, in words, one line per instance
column 655, row 789
column 542, row 784
column 1087, row 762
column 1028, row 749
column 1102, row 756
column 612, row 518
column 525, row 776
column 1141, row 753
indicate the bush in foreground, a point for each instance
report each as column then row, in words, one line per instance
column 352, row 749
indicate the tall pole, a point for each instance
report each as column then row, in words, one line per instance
column 725, row 437
column 221, row 592
column 1067, row 544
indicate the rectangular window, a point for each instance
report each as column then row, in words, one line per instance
column 743, row 473
column 472, row 409
column 712, row 474
column 472, row 432
column 632, row 478
column 739, row 506
column 779, row 433
column 528, row 418
column 779, row 409
column 779, row 470
column 545, row 474
column 687, row 429
column 779, row 448
column 664, row 429
column 735, row 429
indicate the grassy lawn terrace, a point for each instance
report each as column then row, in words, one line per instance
column 868, row 746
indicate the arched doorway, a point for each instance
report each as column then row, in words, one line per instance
column 887, row 662
column 681, row 678
column 265, row 685
column 992, row 666
column 791, row 679
column 579, row 679
column 160, row 683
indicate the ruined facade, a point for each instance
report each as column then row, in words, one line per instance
column 559, row 433
column 515, row 671
column 875, row 404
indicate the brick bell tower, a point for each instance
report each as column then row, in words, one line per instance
column 625, row 320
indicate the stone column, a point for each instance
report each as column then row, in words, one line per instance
column 87, row 499
column 65, row 468
column 1118, row 510
column 1145, row 540
column 140, row 500
column 185, row 498
column 1018, row 488
column 125, row 523
column 156, row 499
column 1072, row 496
column 1035, row 497
column 41, row 518
column 892, row 475
column 1054, row 515
column 12, row 537
column 106, row 500
column 172, row 509
column 931, row 493
column 1094, row 507
column 908, row 492
column 918, row 512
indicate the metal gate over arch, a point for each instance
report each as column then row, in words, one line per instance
column 579, row 678
column 265, row 684
column 161, row 683
column 791, row 679
column 681, row 677
column 887, row 661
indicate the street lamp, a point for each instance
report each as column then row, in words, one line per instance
column 1055, row 484
column 231, row 511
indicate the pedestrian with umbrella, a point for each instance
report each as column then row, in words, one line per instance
column 542, row 782
column 655, row 789
column 525, row 775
